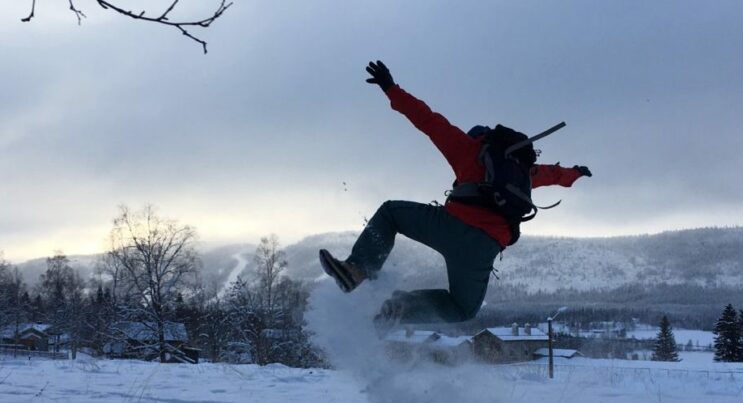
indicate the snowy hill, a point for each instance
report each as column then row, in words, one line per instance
column 32, row 269
column 705, row 257
column 708, row 257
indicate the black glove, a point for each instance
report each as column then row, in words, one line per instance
column 583, row 170
column 380, row 75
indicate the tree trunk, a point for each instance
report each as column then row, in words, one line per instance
column 161, row 340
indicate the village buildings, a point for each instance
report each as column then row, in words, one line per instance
column 33, row 338
column 491, row 345
column 140, row 340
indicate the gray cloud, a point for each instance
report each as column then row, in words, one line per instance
column 115, row 111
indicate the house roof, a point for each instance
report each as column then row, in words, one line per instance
column 558, row 352
column 427, row 336
column 417, row 336
column 8, row 332
column 506, row 334
column 447, row 341
column 146, row 331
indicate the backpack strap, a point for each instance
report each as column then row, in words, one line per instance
column 518, row 193
column 472, row 191
column 467, row 190
column 532, row 139
column 487, row 162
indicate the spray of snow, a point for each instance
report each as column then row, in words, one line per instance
column 342, row 324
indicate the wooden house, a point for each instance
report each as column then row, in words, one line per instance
column 508, row 344
column 28, row 336
column 409, row 344
column 140, row 340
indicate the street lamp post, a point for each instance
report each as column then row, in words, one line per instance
column 549, row 346
column 551, row 364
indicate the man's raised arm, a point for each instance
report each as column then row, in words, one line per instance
column 453, row 143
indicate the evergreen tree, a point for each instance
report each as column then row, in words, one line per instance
column 740, row 336
column 727, row 343
column 665, row 344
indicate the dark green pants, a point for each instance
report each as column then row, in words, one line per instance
column 469, row 254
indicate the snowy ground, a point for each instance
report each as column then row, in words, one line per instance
column 342, row 323
column 580, row 380
column 699, row 338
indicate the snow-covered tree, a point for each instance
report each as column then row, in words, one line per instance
column 267, row 313
column 57, row 281
column 64, row 291
column 14, row 307
column 665, row 344
column 728, row 340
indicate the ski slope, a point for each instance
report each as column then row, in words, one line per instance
column 235, row 272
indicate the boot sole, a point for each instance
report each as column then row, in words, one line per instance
column 341, row 276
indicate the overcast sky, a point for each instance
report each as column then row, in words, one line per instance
column 275, row 129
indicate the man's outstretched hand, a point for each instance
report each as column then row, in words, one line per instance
column 380, row 75
column 584, row 171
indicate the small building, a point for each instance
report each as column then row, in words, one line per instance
column 140, row 340
column 451, row 349
column 27, row 336
column 508, row 344
column 408, row 344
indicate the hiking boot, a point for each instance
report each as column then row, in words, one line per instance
column 389, row 316
column 346, row 275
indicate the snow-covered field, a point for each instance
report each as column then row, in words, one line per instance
column 578, row 380
column 364, row 373
column 699, row 338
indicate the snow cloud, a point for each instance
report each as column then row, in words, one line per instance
column 276, row 131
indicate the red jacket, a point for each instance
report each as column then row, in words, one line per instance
column 461, row 151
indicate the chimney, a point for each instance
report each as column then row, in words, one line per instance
column 527, row 329
column 515, row 329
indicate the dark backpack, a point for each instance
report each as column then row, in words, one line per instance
column 508, row 157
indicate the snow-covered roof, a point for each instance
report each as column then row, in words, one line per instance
column 558, row 352
column 427, row 336
column 146, row 331
column 506, row 334
column 8, row 332
column 416, row 336
column 447, row 341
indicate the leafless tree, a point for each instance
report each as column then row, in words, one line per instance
column 75, row 318
column 270, row 261
column 113, row 276
column 267, row 314
column 64, row 290
column 161, row 17
column 57, row 281
column 158, row 258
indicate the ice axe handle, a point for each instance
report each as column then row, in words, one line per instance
column 543, row 134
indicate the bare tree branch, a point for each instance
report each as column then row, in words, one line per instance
column 31, row 15
column 163, row 19
column 181, row 25
column 79, row 14
column 172, row 6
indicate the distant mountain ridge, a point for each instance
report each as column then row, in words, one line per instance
column 705, row 257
